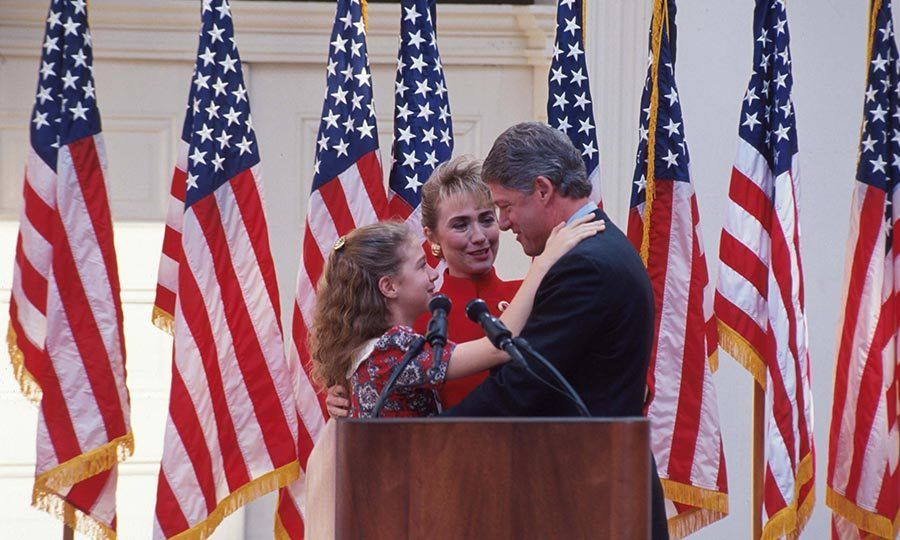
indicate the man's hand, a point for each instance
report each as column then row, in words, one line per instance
column 337, row 402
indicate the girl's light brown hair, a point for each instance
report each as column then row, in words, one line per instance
column 459, row 176
column 350, row 308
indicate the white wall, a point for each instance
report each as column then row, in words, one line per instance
column 496, row 61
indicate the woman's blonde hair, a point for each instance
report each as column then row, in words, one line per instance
column 350, row 308
column 459, row 176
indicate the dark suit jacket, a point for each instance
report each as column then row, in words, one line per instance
column 593, row 318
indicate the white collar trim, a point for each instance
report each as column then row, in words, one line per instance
column 364, row 352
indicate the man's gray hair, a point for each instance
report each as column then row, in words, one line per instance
column 531, row 149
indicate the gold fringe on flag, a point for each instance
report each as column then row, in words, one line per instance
column 163, row 320
column 866, row 520
column 56, row 505
column 254, row 489
column 710, row 506
column 27, row 383
column 45, row 494
column 789, row 521
column 745, row 354
column 660, row 9
column 714, row 361
column 84, row 466
column 691, row 521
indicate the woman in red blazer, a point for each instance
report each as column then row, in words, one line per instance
column 460, row 223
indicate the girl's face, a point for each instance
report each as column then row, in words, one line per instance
column 413, row 285
column 468, row 235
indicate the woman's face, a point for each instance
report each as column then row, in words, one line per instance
column 468, row 235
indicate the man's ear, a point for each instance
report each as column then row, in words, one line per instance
column 544, row 189
column 387, row 286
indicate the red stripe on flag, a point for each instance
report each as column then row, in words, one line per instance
column 85, row 494
column 658, row 263
column 169, row 515
column 87, row 337
column 693, row 365
column 746, row 194
column 184, row 418
column 165, row 299
column 56, row 414
column 335, row 201
column 773, row 501
column 197, row 320
column 301, row 341
column 871, row 214
column 398, row 208
column 253, row 215
column 93, row 189
column 34, row 358
column 34, row 285
column 179, row 183
column 743, row 324
column 312, row 257
column 39, row 214
column 172, row 244
column 370, row 171
column 742, row 260
column 869, row 395
column 247, row 348
column 289, row 516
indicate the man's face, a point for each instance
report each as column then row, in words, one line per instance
column 524, row 215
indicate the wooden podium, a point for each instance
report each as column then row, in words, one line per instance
column 442, row 478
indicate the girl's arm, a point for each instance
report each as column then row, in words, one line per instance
column 474, row 356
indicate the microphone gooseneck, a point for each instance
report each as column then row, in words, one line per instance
column 500, row 337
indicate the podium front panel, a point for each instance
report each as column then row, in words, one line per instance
column 493, row 478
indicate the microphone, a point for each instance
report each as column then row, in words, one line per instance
column 500, row 337
column 497, row 332
column 439, row 306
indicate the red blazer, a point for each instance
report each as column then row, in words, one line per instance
column 493, row 290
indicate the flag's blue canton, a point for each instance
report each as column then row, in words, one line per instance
column 569, row 106
column 222, row 140
column 767, row 114
column 672, row 158
column 423, row 132
column 879, row 149
column 348, row 130
column 65, row 108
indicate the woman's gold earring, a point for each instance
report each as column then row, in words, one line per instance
column 436, row 250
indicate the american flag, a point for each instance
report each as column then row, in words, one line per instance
column 231, row 434
column 569, row 105
column 423, row 130
column 65, row 334
column 864, row 443
column 163, row 315
column 664, row 223
column 347, row 192
column 759, row 299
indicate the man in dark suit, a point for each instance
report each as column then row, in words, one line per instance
column 593, row 312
